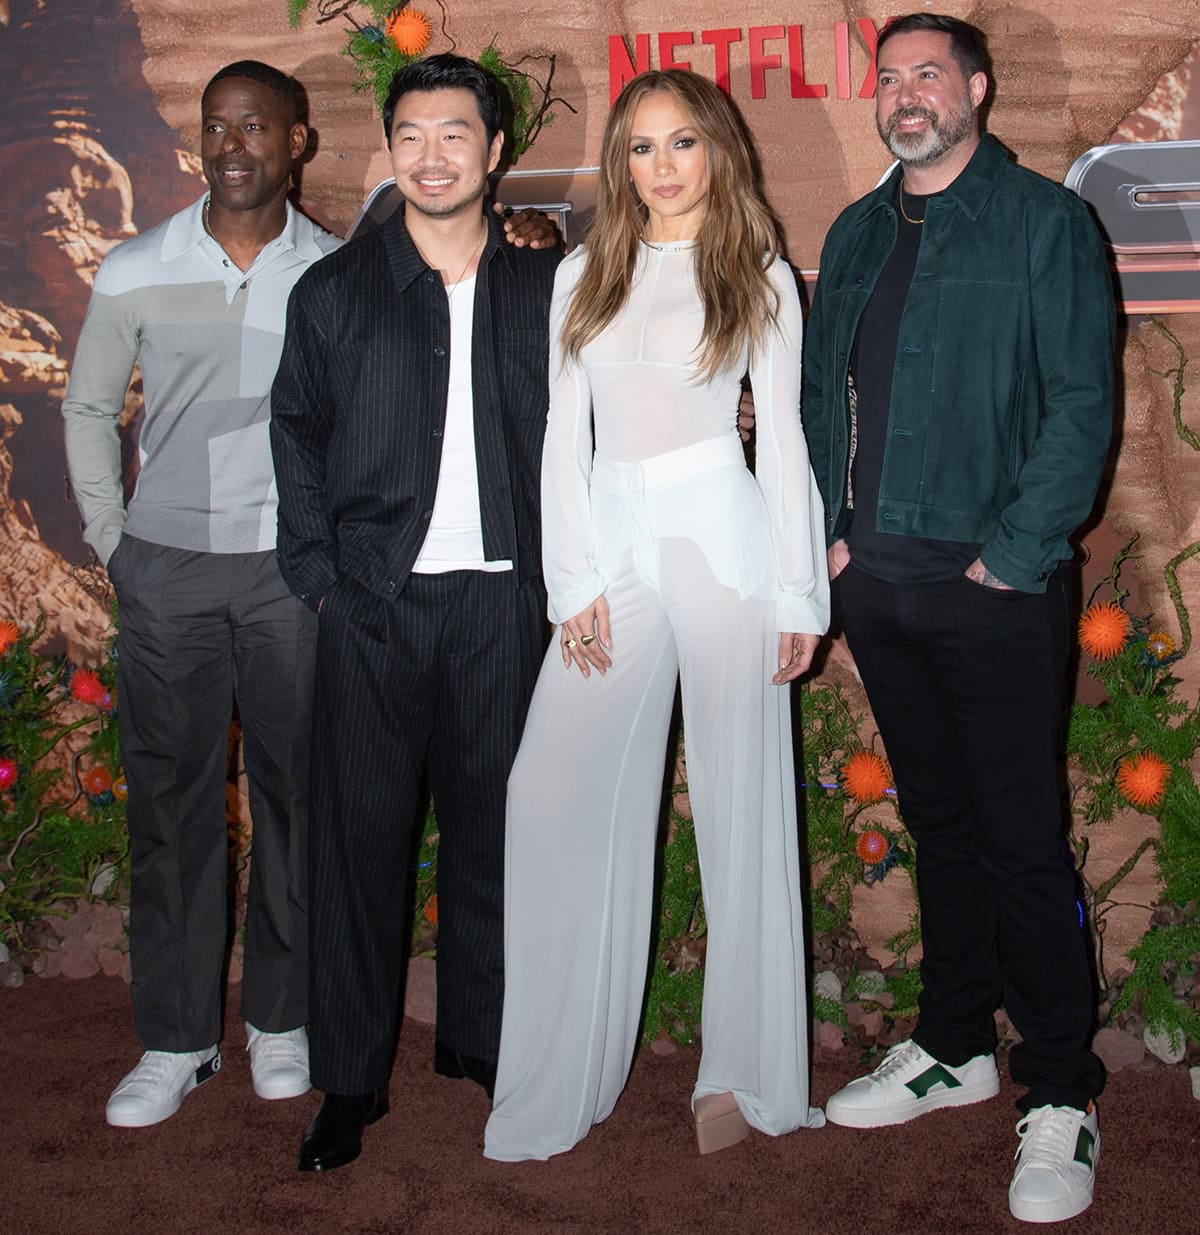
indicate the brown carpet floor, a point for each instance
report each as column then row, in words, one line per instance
column 226, row 1162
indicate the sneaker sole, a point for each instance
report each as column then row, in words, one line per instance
column 882, row 1117
column 1054, row 1211
column 206, row 1071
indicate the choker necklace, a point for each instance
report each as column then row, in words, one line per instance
column 476, row 249
column 904, row 213
column 669, row 246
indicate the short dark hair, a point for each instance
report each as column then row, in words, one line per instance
column 968, row 44
column 287, row 88
column 449, row 72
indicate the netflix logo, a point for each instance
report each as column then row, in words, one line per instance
column 768, row 49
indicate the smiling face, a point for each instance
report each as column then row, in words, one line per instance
column 925, row 105
column 440, row 151
column 250, row 139
column 668, row 165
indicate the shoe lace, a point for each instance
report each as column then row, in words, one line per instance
column 1047, row 1133
column 154, row 1068
column 275, row 1046
column 898, row 1057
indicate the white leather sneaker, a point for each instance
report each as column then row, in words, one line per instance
column 279, row 1062
column 908, row 1083
column 1056, row 1163
column 156, row 1088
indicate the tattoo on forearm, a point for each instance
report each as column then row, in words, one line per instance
column 980, row 573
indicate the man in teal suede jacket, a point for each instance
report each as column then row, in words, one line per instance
column 958, row 401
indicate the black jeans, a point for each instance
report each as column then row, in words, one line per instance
column 967, row 685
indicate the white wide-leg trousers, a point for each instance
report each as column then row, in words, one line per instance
column 583, row 804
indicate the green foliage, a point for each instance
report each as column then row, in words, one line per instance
column 377, row 60
column 1163, row 952
column 903, row 941
column 682, row 908
column 1142, row 713
column 673, row 1004
column 377, row 63
column 54, row 836
column 831, row 735
column 826, row 1009
column 904, row 985
column 527, row 114
column 866, row 985
column 1178, row 853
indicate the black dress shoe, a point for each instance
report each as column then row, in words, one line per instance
column 335, row 1135
column 454, row 1064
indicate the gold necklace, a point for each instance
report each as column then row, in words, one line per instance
column 476, row 249
column 904, row 213
column 204, row 219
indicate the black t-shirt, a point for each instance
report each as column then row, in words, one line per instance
column 896, row 559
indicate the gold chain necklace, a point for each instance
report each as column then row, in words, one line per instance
column 904, row 213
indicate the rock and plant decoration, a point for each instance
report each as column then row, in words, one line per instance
column 1134, row 749
column 391, row 36
column 62, row 794
column 1138, row 748
column 855, row 834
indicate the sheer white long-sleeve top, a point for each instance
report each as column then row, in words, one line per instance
column 635, row 395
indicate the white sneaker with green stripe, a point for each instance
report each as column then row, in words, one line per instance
column 1056, row 1163
column 908, row 1083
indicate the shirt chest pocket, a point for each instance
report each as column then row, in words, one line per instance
column 522, row 369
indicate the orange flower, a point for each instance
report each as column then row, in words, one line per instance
column 1142, row 779
column 872, row 847
column 9, row 634
column 97, row 780
column 409, row 31
column 1103, row 630
column 431, row 910
column 120, row 789
column 1159, row 644
column 866, row 777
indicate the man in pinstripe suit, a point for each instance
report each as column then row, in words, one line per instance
column 408, row 415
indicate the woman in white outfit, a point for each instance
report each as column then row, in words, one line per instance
column 664, row 556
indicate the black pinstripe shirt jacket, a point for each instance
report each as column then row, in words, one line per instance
column 358, row 409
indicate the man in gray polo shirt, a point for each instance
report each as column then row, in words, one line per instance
column 199, row 303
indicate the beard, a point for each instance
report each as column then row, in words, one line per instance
column 921, row 149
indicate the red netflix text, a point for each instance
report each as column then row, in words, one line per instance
column 768, row 49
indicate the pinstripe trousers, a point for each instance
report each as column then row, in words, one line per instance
column 437, row 680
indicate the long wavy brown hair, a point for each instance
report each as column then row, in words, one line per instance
column 738, row 236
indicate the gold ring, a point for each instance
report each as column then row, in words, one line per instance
column 586, row 639
column 569, row 643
